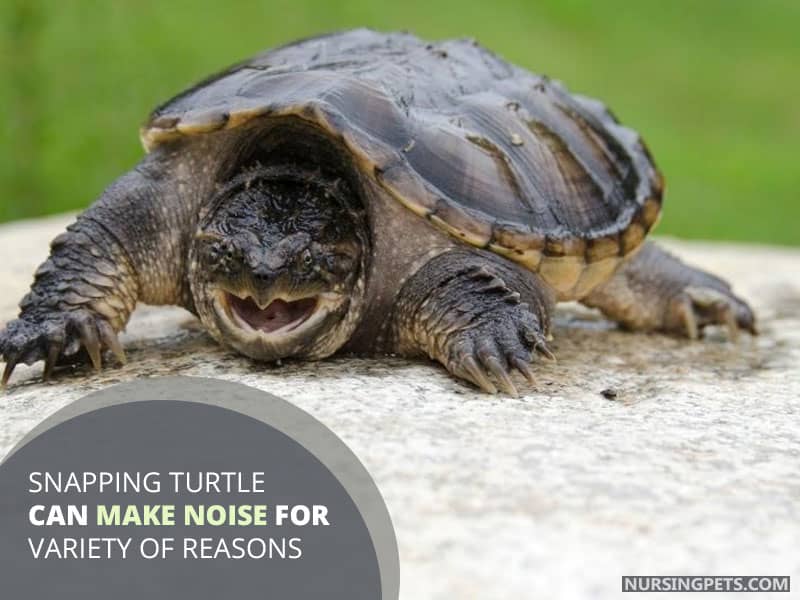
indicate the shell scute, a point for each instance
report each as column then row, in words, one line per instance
column 489, row 152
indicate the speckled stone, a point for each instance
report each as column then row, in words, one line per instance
column 634, row 454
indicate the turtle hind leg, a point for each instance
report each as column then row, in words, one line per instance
column 480, row 316
column 655, row 291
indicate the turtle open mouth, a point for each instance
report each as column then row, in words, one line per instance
column 279, row 316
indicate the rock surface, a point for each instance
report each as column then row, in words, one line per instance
column 634, row 454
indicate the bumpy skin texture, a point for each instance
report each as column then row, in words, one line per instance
column 484, row 150
column 377, row 194
column 129, row 246
column 285, row 233
column 478, row 315
column 655, row 291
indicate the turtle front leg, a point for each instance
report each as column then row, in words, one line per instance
column 81, row 296
column 479, row 315
column 121, row 250
column 655, row 291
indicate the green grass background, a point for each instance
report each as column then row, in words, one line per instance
column 712, row 85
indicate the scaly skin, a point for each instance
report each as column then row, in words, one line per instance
column 142, row 241
column 282, row 233
column 479, row 315
column 97, row 271
column 269, row 207
column 654, row 291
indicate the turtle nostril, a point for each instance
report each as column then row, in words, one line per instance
column 262, row 274
column 226, row 248
column 221, row 251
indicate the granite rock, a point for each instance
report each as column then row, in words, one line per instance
column 633, row 454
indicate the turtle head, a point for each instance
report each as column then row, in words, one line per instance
column 277, row 265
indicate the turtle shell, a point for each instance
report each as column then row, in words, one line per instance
column 490, row 153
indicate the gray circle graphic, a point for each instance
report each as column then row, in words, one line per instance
column 222, row 453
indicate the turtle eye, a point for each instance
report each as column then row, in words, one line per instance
column 307, row 258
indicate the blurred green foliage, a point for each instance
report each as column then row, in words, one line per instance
column 712, row 85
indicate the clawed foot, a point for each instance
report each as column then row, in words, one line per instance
column 656, row 291
column 697, row 307
column 488, row 352
column 55, row 338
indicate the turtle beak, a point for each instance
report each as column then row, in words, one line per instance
column 276, row 328
column 273, row 317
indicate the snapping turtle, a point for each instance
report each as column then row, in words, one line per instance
column 372, row 193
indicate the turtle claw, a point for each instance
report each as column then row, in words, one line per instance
column 524, row 368
column 687, row 319
column 56, row 337
column 697, row 307
column 544, row 351
column 87, row 331
column 111, row 341
column 727, row 316
column 475, row 374
column 501, row 375
column 487, row 353
column 10, row 365
column 53, row 352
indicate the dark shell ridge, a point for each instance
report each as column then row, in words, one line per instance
column 487, row 151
